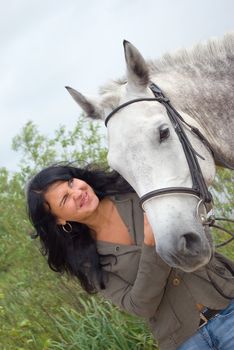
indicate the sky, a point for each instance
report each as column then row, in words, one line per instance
column 48, row 44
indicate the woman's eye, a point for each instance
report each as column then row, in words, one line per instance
column 64, row 200
column 164, row 133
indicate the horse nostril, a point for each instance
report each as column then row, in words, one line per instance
column 190, row 243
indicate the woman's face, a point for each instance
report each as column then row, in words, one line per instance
column 72, row 200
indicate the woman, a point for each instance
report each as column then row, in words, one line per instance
column 92, row 227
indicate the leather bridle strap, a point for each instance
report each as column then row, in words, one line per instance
column 168, row 190
column 126, row 104
column 198, row 181
column 199, row 187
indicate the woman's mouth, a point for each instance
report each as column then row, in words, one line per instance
column 84, row 199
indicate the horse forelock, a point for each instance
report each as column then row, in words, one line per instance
column 110, row 93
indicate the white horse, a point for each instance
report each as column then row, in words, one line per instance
column 145, row 149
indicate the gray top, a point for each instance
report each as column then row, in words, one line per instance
column 140, row 282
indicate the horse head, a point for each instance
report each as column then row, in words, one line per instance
column 145, row 149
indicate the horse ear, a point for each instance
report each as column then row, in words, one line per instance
column 137, row 70
column 89, row 107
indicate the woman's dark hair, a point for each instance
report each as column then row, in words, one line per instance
column 74, row 253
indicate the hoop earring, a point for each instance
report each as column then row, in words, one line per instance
column 69, row 227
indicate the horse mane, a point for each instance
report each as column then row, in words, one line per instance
column 200, row 81
column 211, row 57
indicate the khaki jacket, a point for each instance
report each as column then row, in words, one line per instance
column 140, row 282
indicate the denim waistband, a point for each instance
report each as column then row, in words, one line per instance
column 229, row 308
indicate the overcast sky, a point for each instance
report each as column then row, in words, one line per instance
column 47, row 44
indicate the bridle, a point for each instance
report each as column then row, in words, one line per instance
column 199, row 188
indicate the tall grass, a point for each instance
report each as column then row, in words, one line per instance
column 47, row 313
column 100, row 326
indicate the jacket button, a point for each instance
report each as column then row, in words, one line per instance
column 176, row 281
column 117, row 248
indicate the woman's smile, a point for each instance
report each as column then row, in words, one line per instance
column 84, row 199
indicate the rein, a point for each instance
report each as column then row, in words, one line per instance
column 199, row 187
column 211, row 222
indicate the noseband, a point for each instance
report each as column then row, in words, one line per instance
column 199, row 188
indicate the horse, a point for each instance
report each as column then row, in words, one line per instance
column 143, row 142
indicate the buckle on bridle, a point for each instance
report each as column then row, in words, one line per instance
column 158, row 93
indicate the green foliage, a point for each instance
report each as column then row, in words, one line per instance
column 40, row 310
column 84, row 144
column 223, row 192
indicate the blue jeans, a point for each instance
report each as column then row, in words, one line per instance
column 217, row 334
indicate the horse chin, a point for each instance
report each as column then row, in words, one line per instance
column 186, row 263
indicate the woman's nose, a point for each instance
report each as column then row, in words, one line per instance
column 76, row 194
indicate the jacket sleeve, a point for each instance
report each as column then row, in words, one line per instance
column 143, row 297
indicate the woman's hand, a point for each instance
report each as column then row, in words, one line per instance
column 148, row 233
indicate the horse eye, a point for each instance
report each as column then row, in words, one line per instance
column 164, row 134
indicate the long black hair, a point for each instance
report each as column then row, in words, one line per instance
column 74, row 253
